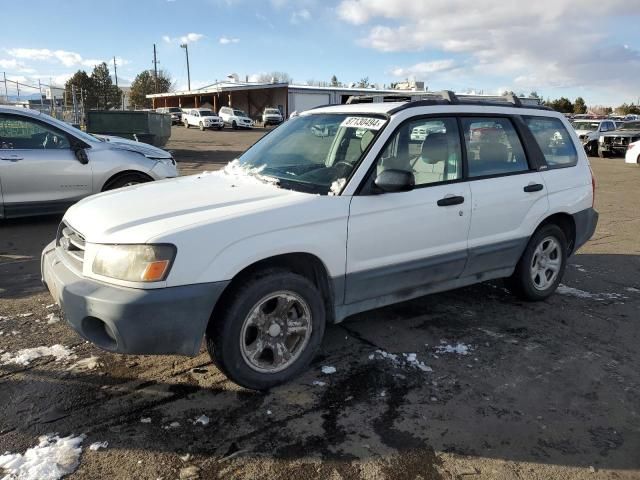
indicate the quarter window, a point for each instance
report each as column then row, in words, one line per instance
column 428, row 148
column 18, row 132
column 554, row 141
column 493, row 147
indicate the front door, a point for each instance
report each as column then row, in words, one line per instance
column 39, row 171
column 401, row 241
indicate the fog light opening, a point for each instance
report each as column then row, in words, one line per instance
column 100, row 333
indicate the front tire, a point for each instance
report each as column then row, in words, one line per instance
column 268, row 330
column 541, row 266
column 234, row 125
column 126, row 180
column 186, row 124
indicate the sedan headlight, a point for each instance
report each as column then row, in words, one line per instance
column 134, row 263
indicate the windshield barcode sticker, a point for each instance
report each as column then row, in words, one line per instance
column 363, row 122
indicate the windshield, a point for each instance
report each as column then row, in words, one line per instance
column 239, row 113
column 631, row 126
column 71, row 129
column 207, row 113
column 272, row 110
column 592, row 127
column 174, row 110
column 313, row 153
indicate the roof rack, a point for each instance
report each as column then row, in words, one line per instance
column 447, row 97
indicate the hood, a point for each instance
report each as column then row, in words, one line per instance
column 147, row 150
column 144, row 212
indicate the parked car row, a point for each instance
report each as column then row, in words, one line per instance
column 606, row 137
column 205, row 118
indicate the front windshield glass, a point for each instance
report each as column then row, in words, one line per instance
column 271, row 110
column 631, row 126
column 313, row 153
column 207, row 113
column 585, row 126
column 174, row 110
column 239, row 113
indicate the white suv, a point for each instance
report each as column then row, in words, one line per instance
column 235, row 118
column 271, row 116
column 202, row 118
column 259, row 257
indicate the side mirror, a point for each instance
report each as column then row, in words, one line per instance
column 81, row 154
column 395, row 181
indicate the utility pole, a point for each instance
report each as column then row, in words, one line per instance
column 155, row 70
column 115, row 71
column 40, row 89
column 186, row 51
column 6, row 92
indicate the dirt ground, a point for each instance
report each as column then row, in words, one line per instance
column 545, row 391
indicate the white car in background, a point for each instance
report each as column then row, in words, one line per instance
column 47, row 165
column 202, row 118
column 235, row 118
column 633, row 153
column 271, row 116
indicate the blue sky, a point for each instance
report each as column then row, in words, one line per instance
column 556, row 47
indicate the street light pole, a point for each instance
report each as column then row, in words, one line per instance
column 186, row 51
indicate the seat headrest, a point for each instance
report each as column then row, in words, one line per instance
column 435, row 148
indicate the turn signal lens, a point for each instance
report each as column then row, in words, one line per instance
column 155, row 271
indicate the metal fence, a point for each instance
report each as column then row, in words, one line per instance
column 46, row 98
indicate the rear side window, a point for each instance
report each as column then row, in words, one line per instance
column 493, row 147
column 554, row 141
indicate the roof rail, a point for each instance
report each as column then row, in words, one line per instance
column 447, row 97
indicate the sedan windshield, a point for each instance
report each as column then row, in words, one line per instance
column 272, row 111
column 313, row 153
column 207, row 113
column 239, row 113
column 631, row 126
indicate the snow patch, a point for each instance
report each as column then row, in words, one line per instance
column 202, row 420
column 52, row 318
column 98, row 445
column 145, row 420
column 51, row 459
column 577, row 293
column 632, row 290
column 90, row 363
column 318, row 383
column 327, row 370
column 401, row 360
column 337, row 186
column 172, row 425
column 27, row 355
column 25, row 315
column 458, row 348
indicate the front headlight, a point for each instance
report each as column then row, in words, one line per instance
column 134, row 263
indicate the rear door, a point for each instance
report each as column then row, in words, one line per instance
column 509, row 195
column 39, row 171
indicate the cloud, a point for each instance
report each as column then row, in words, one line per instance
column 424, row 68
column 188, row 38
column 300, row 16
column 66, row 58
column 227, row 40
column 547, row 43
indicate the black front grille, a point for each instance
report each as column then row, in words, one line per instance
column 71, row 243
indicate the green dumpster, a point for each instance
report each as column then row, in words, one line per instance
column 143, row 126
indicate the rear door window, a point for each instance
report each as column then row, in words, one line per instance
column 493, row 147
column 554, row 141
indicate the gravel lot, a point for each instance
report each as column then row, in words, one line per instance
column 513, row 390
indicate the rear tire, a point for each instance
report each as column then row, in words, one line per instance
column 234, row 125
column 252, row 339
column 541, row 266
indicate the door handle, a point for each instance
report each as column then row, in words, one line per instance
column 12, row 158
column 533, row 187
column 450, row 200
